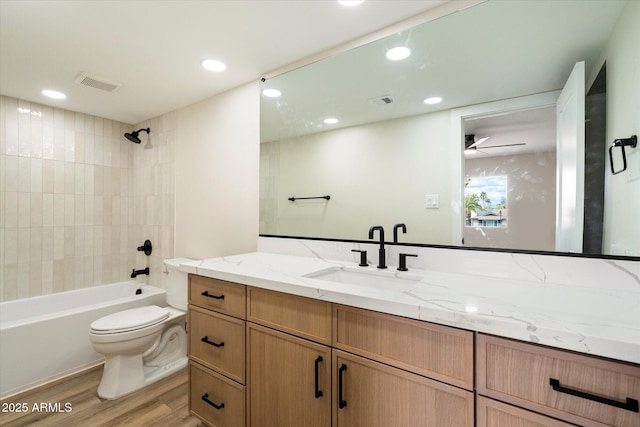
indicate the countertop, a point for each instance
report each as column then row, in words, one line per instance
column 592, row 321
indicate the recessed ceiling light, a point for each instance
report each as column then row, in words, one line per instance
column 271, row 93
column 398, row 53
column 350, row 3
column 54, row 94
column 331, row 121
column 433, row 100
column 213, row 65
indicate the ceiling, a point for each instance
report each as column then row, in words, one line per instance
column 535, row 128
column 153, row 48
column 492, row 51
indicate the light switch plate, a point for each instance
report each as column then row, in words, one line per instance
column 431, row 201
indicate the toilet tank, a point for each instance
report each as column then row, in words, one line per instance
column 176, row 283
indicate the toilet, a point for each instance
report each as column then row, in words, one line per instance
column 143, row 344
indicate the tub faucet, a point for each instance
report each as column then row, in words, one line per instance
column 381, row 251
column 135, row 272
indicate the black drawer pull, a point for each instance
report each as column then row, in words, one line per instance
column 205, row 340
column 629, row 405
column 205, row 397
column 341, row 402
column 317, row 386
column 208, row 295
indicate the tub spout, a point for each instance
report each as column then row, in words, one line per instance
column 135, row 272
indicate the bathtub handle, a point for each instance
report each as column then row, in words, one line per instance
column 205, row 397
column 207, row 294
column 205, row 340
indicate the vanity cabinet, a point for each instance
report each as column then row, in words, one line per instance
column 216, row 345
column 585, row 390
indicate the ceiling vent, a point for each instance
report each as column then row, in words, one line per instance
column 382, row 100
column 97, row 82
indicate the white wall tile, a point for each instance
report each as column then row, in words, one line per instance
column 73, row 207
column 36, row 175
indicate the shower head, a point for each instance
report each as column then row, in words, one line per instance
column 133, row 136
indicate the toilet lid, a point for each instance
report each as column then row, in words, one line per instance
column 131, row 319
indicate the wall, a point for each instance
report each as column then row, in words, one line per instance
column 622, row 191
column 73, row 198
column 531, row 195
column 399, row 162
column 217, row 167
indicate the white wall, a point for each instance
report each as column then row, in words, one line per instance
column 399, row 161
column 622, row 191
column 217, row 166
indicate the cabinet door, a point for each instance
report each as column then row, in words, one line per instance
column 370, row 394
column 289, row 380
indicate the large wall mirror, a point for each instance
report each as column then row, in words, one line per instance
column 493, row 132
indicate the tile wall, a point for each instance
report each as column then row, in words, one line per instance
column 76, row 199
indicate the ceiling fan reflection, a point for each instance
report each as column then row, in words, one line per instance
column 470, row 144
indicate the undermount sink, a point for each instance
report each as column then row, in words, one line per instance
column 378, row 279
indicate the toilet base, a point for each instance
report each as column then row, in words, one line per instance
column 124, row 375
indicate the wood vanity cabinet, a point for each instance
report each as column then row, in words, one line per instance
column 216, row 346
column 584, row 390
column 290, row 361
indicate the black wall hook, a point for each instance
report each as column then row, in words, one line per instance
column 624, row 142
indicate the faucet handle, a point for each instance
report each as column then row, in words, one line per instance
column 363, row 257
column 403, row 261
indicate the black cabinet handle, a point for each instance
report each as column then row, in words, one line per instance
column 205, row 397
column 205, row 340
column 630, row 404
column 208, row 295
column 317, row 386
column 341, row 402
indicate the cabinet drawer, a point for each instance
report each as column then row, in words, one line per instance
column 491, row 413
column 438, row 352
column 223, row 297
column 217, row 341
column 305, row 317
column 206, row 389
column 523, row 374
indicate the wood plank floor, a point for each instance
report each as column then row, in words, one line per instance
column 164, row 403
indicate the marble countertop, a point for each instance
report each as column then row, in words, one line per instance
column 592, row 321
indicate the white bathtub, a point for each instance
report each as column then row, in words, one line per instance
column 45, row 338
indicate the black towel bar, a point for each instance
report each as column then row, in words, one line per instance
column 293, row 199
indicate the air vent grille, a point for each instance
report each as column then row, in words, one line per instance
column 97, row 82
column 382, row 100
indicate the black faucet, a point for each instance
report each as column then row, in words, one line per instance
column 135, row 272
column 381, row 251
column 395, row 231
column 403, row 261
column 363, row 257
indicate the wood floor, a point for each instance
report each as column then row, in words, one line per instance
column 164, row 403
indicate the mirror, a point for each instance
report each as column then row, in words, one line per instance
column 391, row 158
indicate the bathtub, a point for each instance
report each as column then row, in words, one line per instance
column 45, row 338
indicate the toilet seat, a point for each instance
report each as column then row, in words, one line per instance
column 129, row 320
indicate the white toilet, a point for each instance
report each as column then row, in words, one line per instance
column 144, row 344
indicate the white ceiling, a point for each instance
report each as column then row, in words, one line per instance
column 535, row 128
column 154, row 47
column 492, row 51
